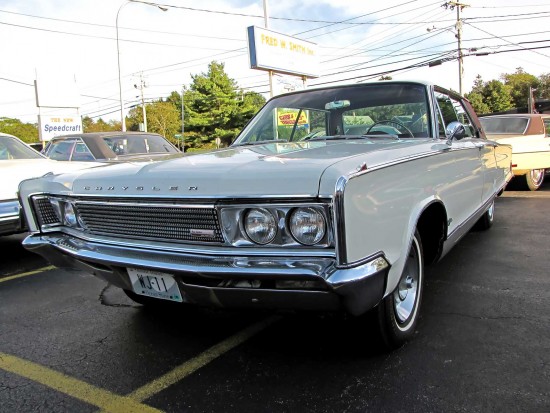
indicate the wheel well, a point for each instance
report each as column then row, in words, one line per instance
column 432, row 226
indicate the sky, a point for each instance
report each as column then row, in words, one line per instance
column 357, row 40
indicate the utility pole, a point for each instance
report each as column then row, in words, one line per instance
column 266, row 24
column 182, row 120
column 459, row 6
column 142, row 86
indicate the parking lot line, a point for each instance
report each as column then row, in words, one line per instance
column 190, row 366
column 13, row 277
column 105, row 400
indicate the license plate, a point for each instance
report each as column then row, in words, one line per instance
column 154, row 284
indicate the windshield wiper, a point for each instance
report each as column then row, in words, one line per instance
column 260, row 142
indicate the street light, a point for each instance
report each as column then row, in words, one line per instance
column 118, row 55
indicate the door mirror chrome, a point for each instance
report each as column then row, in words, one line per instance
column 455, row 130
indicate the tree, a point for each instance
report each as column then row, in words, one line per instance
column 488, row 97
column 89, row 125
column 543, row 90
column 214, row 109
column 519, row 84
column 162, row 118
column 27, row 132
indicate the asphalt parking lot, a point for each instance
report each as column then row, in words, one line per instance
column 71, row 343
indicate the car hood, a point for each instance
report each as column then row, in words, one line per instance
column 14, row 171
column 275, row 169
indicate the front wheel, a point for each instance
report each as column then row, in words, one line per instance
column 398, row 312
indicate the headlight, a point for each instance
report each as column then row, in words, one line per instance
column 260, row 225
column 69, row 215
column 307, row 225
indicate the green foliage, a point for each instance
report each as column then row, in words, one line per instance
column 488, row 97
column 543, row 90
column 519, row 83
column 89, row 125
column 27, row 132
column 214, row 108
column 162, row 118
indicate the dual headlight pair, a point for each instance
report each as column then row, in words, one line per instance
column 307, row 225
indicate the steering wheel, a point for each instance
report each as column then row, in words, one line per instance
column 389, row 121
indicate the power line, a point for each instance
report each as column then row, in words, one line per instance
column 141, row 29
column 109, row 38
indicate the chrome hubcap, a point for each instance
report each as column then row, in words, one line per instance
column 537, row 175
column 491, row 211
column 406, row 295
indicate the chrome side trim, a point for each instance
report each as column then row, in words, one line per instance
column 339, row 222
column 463, row 228
column 406, row 159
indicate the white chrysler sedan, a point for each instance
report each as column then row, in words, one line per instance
column 18, row 162
column 329, row 199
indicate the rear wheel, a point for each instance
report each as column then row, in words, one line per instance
column 398, row 313
column 534, row 179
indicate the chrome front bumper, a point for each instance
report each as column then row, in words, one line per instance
column 301, row 283
column 11, row 220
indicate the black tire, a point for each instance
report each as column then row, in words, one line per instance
column 486, row 221
column 534, row 179
column 398, row 313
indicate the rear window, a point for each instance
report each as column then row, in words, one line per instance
column 496, row 126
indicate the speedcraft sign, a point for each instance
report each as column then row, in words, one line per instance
column 52, row 126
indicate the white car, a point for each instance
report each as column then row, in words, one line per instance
column 529, row 136
column 330, row 199
column 18, row 162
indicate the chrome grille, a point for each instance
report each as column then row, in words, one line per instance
column 45, row 212
column 159, row 222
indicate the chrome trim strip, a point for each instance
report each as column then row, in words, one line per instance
column 339, row 221
column 184, row 197
column 406, row 159
column 138, row 204
column 195, row 248
column 463, row 228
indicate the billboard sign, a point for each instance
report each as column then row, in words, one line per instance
column 280, row 53
column 51, row 126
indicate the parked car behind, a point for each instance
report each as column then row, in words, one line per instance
column 330, row 199
column 19, row 162
column 529, row 136
column 109, row 147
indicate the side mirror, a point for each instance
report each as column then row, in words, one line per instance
column 455, row 130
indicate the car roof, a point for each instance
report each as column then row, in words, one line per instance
column 97, row 135
column 424, row 83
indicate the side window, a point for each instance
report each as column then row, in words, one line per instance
column 452, row 110
column 60, row 150
column 82, row 153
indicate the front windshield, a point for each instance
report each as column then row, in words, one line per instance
column 394, row 109
column 504, row 125
column 12, row 148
